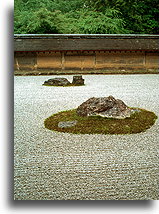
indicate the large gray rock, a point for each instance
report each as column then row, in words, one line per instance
column 78, row 80
column 57, row 82
column 106, row 107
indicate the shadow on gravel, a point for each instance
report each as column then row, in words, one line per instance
column 83, row 204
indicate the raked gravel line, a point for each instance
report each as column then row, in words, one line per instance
column 60, row 166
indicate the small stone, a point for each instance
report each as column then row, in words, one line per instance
column 66, row 124
column 78, row 80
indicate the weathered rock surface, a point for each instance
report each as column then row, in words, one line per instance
column 78, row 80
column 66, row 124
column 106, row 107
column 57, row 82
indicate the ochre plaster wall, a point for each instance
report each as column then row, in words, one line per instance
column 85, row 60
column 49, row 60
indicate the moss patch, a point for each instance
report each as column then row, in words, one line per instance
column 138, row 122
column 70, row 85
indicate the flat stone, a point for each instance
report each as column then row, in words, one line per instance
column 57, row 82
column 66, row 124
column 105, row 107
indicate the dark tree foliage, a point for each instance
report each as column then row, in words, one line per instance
column 141, row 16
column 86, row 16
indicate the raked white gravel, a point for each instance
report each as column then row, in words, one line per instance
column 60, row 166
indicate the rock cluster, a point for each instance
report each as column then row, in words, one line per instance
column 77, row 80
column 106, row 107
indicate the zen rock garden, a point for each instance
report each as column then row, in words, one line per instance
column 77, row 81
column 103, row 115
column 68, row 137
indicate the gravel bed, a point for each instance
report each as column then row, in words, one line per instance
column 60, row 166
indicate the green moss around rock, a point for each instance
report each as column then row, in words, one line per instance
column 138, row 122
column 70, row 85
